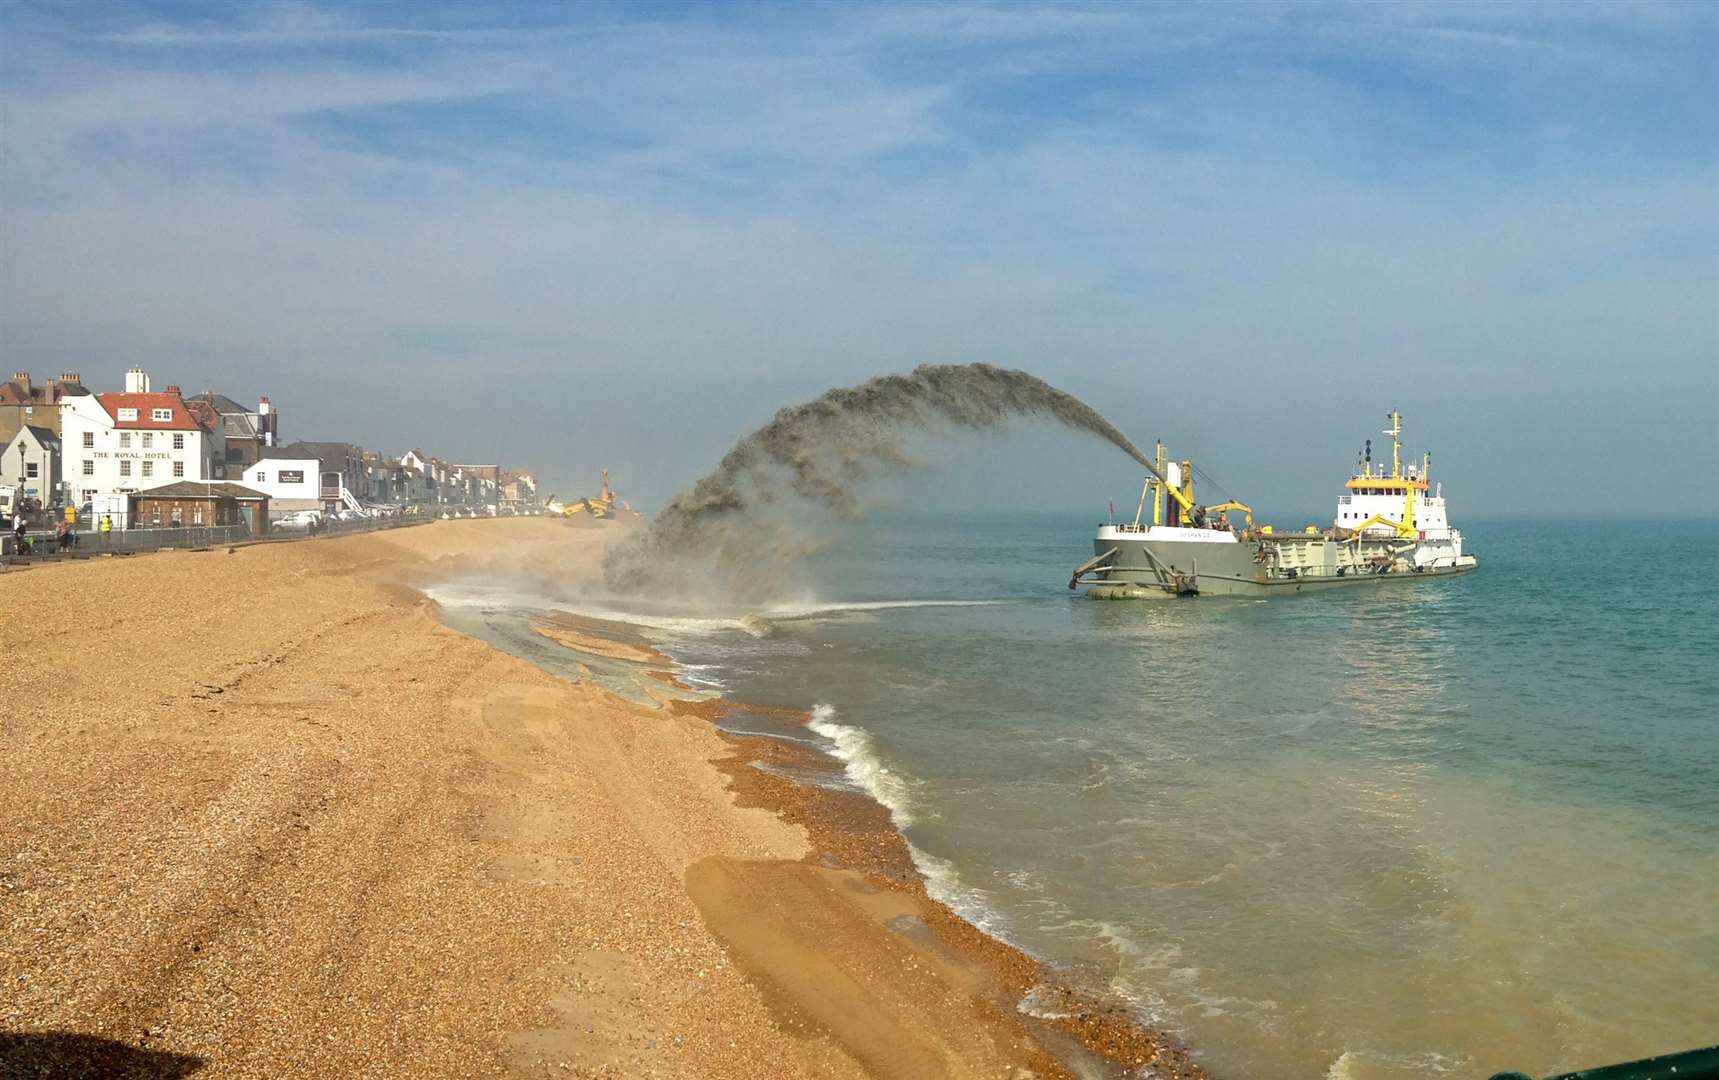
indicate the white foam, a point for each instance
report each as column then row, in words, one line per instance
column 944, row 885
column 1033, row 1004
column 810, row 611
column 857, row 752
column 477, row 595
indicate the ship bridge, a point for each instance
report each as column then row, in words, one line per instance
column 1402, row 500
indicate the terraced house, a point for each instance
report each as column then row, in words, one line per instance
column 25, row 403
column 249, row 434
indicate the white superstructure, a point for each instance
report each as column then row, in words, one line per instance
column 1401, row 502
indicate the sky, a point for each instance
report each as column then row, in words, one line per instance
column 570, row 236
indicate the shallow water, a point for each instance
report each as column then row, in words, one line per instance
column 1423, row 828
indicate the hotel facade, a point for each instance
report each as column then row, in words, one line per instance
column 115, row 445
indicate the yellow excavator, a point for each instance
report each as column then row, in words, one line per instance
column 597, row 506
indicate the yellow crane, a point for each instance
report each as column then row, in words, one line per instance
column 1233, row 504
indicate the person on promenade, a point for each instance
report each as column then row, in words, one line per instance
column 106, row 527
column 63, row 536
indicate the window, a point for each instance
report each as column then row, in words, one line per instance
column 236, row 453
column 89, row 468
column 125, row 468
column 30, row 470
column 125, row 440
column 149, row 468
column 161, row 414
column 178, row 441
column 89, row 439
column 148, row 439
column 128, row 414
column 178, row 468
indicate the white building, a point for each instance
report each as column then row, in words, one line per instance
column 291, row 484
column 115, row 445
column 30, row 465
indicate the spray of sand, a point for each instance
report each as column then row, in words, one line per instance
column 730, row 534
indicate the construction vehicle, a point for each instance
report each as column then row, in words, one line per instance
column 602, row 506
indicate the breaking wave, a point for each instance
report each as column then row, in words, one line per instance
column 856, row 750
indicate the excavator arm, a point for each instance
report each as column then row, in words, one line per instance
column 1233, row 504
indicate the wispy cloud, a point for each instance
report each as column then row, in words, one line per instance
column 1258, row 199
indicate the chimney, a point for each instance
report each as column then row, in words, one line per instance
column 137, row 381
column 22, row 378
column 171, row 389
column 71, row 378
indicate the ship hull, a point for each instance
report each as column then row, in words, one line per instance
column 1141, row 568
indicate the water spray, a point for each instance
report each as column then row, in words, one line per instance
column 720, row 531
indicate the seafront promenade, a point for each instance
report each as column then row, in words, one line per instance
column 262, row 814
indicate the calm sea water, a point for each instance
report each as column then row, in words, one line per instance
column 1425, row 828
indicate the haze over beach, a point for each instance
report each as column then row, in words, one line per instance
column 576, row 226
column 1054, row 541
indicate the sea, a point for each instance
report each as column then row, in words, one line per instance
column 1419, row 829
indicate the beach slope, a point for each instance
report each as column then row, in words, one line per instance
column 261, row 814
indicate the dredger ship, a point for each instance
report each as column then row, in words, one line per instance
column 1389, row 527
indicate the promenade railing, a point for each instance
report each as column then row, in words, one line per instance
column 45, row 545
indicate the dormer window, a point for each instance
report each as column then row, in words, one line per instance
column 128, row 415
column 162, row 415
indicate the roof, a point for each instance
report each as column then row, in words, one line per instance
column 223, row 404
column 483, row 472
column 45, row 438
column 182, row 419
column 324, row 450
column 237, row 426
column 197, row 489
column 208, row 418
column 40, row 393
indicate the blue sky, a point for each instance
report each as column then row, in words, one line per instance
column 578, row 235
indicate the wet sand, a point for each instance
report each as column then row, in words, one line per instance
column 261, row 814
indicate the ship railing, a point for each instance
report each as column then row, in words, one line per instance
column 1684, row 1066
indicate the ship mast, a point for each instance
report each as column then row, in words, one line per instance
column 1395, row 431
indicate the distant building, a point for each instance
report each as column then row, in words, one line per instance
column 390, row 480
column 414, row 487
column 481, row 483
column 28, row 404
column 341, row 467
column 248, row 433
column 518, row 489
column 294, row 484
column 30, row 464
column 115, row 445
